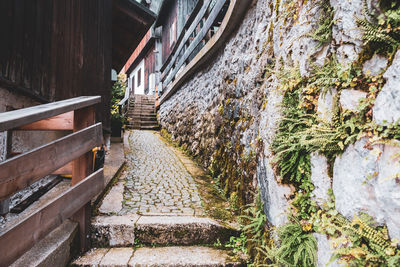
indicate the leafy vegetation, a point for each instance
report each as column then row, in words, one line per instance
column 323, row 34
column 117, row 94
column 382, row 32
column 356, row 243
column 298, row 247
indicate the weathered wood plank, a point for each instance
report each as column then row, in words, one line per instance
column 81, row 168
column 61, row 122
column 65, row 170
column 200, row 36
column 21, row 171
column 186, row 36
column 17, row 118
column 182, row 36
column 19, row 238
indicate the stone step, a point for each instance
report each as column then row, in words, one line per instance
column 148, row 122
column 118, row 231
column 194, row 256
column 144, row 118
column 151, row 127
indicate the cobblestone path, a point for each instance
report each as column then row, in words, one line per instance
column 156, row 182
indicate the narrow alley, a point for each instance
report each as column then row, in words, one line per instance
column 155, row 202
column 199, row 133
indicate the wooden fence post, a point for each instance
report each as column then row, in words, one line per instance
column 82, row 167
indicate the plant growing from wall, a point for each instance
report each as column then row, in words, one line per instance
column 382, row 32
column 298, row 247
column 323, row 34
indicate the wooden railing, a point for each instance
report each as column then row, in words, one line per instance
column 206, row 30
column 78, row 115
column 125, row 102
column 192, row 36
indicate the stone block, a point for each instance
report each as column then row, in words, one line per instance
column 182, row 230
column 350, row 99
column 387, row 108
column 375, row 65
column 117, row 257
column 365, row 179
column 181, row 256
column 114, row 231
column 320, row 178
column 326, row 104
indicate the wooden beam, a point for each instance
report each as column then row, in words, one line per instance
column 19, row 238
column 199, row 37
column 16, row 118
column 82, row 167
column 65, row 170
column 21, row 171
column 187, row 34
column 182, row 36
column 63, row 122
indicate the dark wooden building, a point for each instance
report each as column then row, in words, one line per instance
column 57, row 49
column 172, row 19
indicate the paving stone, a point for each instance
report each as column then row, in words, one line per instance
column 117, row 257
column 112, row 202
column 156, row 176
column 180, row 256
column 114, row 231
column 91, row 258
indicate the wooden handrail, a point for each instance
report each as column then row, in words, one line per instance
column 192, row 20
column 19, row 238
column 200, row 15
column 19, row 172
column 233, row 16
column 16, row 118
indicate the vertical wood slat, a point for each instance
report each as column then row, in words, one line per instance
column 82, row 167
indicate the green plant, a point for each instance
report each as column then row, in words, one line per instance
column 323, row 34
column 237, row 243
column 297, row 246
column 382, row 32
column 359, row 242
column 117, row 94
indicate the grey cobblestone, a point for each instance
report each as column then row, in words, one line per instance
column 156, row 181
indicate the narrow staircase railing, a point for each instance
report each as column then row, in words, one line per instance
column 206, row 30
column 198, row 29
column 17, row 173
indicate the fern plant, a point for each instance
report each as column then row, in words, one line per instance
column 298, row 248
column 382, row 32
column 255, row 229
column 323, row 34
column 359, row 242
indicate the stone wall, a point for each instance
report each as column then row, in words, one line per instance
column 228, row 113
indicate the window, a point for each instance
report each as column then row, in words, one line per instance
column 172, row 33
column 139, row 77
column 133, row 83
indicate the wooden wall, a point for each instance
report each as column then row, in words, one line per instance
column 52, row 50
column 171, row 16
column 149, row 66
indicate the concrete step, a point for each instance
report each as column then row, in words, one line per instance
column 194, row 256
column 118, row 231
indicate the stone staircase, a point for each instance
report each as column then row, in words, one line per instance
column 142, row 113
column 135, row 240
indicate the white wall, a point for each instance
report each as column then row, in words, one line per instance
column 139, row 90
